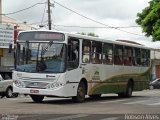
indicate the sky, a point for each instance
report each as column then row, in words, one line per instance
column 115, row 13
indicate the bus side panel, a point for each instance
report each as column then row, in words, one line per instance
column 141, row 81
column 113, row 79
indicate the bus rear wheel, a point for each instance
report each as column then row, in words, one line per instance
column 37, row 98
column 81, row 92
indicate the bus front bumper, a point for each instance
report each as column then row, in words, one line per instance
column 67, row 90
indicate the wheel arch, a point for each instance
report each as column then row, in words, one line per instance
column 9, row 87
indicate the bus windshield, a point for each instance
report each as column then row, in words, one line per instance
column 40, row 57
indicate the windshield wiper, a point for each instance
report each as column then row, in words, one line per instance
column 44, row 50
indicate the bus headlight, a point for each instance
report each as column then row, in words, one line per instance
column 55, row 85
column 18, row 83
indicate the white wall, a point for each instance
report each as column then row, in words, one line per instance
column 7, row 59
column 155, row 54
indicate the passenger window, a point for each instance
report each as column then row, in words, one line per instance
column 96, row 52
column 137, row 57
column 118, row 57
column 128, row 56
column 145, row 58
column 107, row 53
column 86, row 49
column 73, row 53
column 148, row 58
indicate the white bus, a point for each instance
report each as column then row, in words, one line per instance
column 59, row 64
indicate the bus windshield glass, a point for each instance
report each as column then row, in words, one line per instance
column 40, row 57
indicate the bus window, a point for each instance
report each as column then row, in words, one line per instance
column 107, row 53
column 96, row 52
column 145, row 58
column 118, row 57
column 86, row 49
column 128, row 56
column 148, row 58
column 73, row 53
column 137, row 56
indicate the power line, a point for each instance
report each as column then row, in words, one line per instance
column 93, row 27
column 108, row 26
column 23, row 9
column 43, row 13
column 37, row 23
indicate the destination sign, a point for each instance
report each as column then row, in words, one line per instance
column 40, row 35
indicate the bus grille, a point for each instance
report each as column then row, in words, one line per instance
column 41, row 85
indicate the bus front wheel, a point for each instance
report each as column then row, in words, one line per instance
column 81, row 92
column 9, row 92
column 37, row 98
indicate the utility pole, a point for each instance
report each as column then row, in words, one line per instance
column 0, row 11
column 49, row 15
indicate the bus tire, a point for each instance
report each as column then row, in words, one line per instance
column 81, row 92
column 95, row 96
column 9, row 92
column 37, row 98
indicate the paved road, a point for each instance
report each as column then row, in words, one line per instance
column 109, row 107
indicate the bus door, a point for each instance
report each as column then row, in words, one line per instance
column 74, row 72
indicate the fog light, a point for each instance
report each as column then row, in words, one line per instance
column 55, row 85
column 18, row 83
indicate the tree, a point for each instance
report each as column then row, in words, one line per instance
column 149, row 20
column 92, row 34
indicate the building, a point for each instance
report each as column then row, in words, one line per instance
column 20, row 25
column 155, row 64
column 6, row 58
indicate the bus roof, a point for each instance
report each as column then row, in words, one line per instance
column 79, row 36
column 117, row 42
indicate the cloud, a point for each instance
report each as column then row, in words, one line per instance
column 109, row 12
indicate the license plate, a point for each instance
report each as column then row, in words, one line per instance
column 34, row 91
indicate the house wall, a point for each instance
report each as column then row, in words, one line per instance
column 155, row 64
column 155, row 54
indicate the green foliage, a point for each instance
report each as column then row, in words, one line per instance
column 149, row 19
column 92, row 34
column 82, row 33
